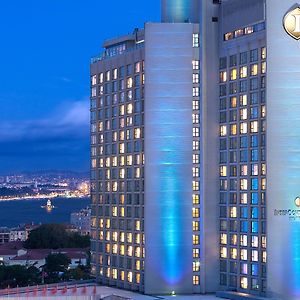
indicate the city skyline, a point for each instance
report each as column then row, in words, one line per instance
column 44, row 91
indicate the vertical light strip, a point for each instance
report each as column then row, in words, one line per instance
column 168, row 158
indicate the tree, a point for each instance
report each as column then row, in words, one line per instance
column 55, row 236
column 56, row 263
column 18, row 276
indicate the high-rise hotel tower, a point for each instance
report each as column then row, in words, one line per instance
column 195, row 146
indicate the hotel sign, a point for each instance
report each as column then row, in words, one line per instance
column 291, row 22
column 293, row 213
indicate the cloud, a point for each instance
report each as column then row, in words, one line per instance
column 71, row 119
column 59, row 140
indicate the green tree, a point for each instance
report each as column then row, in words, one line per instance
column 18, row 276
column 54, row 236
column 57, row 263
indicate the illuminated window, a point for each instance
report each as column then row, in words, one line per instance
column 244, row 283
column 195, row 118
column 233, row 130
column 263, row 67
column 122, row 148
column 223, row 252
column 244, row 184
column 233, row 253
column 243, row 72
column 196, row 158
column 196, row 253
column 244, row 241
column 107, row 76
column 244, row 198
column 243, row 128
column 254, row 126
column 223, row 171
column 114, row 211
column 196, row 280
column 196, row 132
column 195, row 172
column 196, row 200
column 196, row 40
column 243, row 100
column 94, row 79
column 196, row 185
column 196, row 78
column 243, row 114
column 263, row 53
column 254, row 241
column 233, row 212
column 196, row 91
column 196, row 145
column 138, row 225
column 223, row 76
column 196, row 64
column 129, row 83
column 233, row 102
column 137, row 67
column 223, row 130
column 196, row 239
column 101, row 78
column 244, row 254
column 195, row 104
column 196, row 212
column 129, row 108
column 223, row 239
column 254, row 255
column 233, row 74
column 196, row 225
column 254, row 69
column 196, row 266
column 129, row 277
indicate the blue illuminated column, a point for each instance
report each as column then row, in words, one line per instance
column 283, row 155
column 168, row 158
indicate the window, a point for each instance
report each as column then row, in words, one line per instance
column 243, row 72
column 233, row 74
column 196, row 280
column 195, row 91
column 94, row 80
column 243, row 58
column 253, row 55
column 196, row 64
column 244, row 283
column 196, row 77
column 223, row 76
column 196, row 40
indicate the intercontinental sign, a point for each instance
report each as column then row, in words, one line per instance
column 291, row 22
column 293, row 214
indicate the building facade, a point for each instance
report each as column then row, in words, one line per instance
column 186, row 176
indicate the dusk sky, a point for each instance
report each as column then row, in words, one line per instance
column 45, row 52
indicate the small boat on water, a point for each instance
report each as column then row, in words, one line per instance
column 49, row 206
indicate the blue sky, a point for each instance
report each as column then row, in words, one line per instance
column 45, row 51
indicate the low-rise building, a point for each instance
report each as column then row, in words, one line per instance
column 14, row 253
column 4, row 235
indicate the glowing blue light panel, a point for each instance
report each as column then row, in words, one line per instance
column 168, row 158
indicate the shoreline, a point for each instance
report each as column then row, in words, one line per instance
column 42, row 197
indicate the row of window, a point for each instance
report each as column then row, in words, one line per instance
column 243, row 72
column 118, row 73
column 245, row 31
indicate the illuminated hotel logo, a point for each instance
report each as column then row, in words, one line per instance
column 291, row 22
column 297, row 201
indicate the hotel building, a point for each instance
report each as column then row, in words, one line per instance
column 191, row 191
